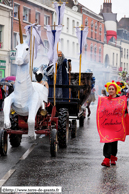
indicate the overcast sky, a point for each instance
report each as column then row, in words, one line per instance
column 121, row 7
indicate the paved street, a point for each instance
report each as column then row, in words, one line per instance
column 77, row 169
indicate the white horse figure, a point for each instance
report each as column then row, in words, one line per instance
column 27, row 97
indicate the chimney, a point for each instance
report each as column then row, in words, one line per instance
column 124, row 16
column 110, row 1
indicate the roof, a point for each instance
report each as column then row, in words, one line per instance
column 124, row 23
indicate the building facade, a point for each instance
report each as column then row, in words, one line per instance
column 5, row 39
column 123, row 40
column 68, row 40
column 93, row 51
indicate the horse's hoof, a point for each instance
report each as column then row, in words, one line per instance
column 7, row 125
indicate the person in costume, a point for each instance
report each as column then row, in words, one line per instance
column 91, row 97
column 39, row 79
column 62, row 76
column 108, row 118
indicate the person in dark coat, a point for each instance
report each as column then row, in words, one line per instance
column 2, row 96
column 62, row 76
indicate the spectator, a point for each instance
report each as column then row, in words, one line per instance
column 2, row 96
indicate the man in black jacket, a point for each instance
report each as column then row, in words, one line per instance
column 2, row 96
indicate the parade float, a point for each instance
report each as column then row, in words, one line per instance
column 22, row 108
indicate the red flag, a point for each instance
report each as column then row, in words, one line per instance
column 110, row 119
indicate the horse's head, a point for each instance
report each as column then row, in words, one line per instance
column 22, row 54
column 22, row 49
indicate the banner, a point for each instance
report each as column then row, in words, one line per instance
column 110, row 119
column 53, row 38
column 60, row 12
column 36, row 31
column 82, row 35
column 110, row 25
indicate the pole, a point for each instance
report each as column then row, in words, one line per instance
column 69, row 81
column 30, row 48
column 80, row 74
column 32, row 56
column 80, row 65
column 55, row 79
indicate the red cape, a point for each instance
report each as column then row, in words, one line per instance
column 110, row 119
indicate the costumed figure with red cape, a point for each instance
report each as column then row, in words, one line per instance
column 111, row 112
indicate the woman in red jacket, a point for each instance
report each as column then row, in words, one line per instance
column 111, row 113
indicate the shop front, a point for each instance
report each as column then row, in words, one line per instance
column 2, row 68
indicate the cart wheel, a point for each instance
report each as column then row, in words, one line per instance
column 81, row 121
column 3, row 142
column 53, row 142
column 63, row 127
column 15, row 140
column 74, row 129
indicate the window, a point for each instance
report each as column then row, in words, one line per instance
column 46, row 20
column 95, row 50
column 16, row 10
column 127, row 53
column 26, row 14
column 113, row 59
column 77, row 50
column 86, row 22
column 100, row 55
column 24, row 37
column 100, row 32
column 62, row 44
column 92, row 29
column 68, row 47
column 14, row 40
column 37, row 18
column 46, row 44
column 85, row 50
column 124, row 53
column 116, row 60
column 77, row 24
column 73, row 26
column 96, row 30
column 91, row 51
column 73, row 48
column 121, row 64
column 1, row 38
column 67, row 25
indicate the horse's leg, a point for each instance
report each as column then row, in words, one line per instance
column 33, row 108
column 7, row 107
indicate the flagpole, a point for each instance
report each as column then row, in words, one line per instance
column 32, row 56
column 55, row 79
column 80, row 67
column 30, row 47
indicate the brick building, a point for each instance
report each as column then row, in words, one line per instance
column 95, row 41
column 5, row 38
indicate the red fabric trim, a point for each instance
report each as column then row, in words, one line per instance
column 110, row 34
